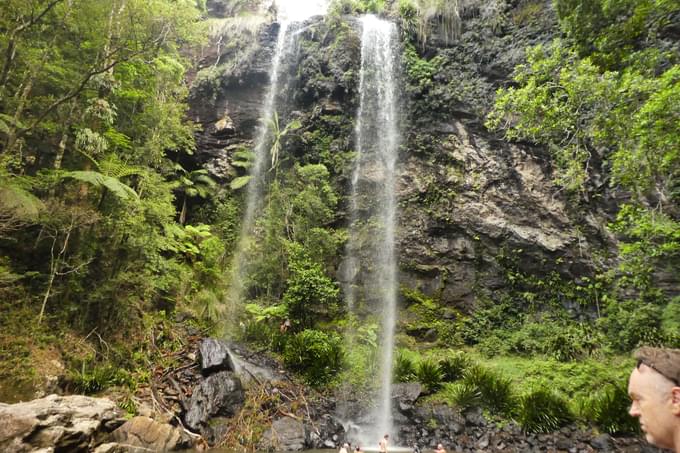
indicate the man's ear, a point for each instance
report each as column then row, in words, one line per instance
column 675, row 400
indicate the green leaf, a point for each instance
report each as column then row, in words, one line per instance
column 117, row 188
column 18, row 200
column 240, row 182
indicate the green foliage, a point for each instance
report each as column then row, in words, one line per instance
column 463, row 395
column 317, row 355
column 453, row 367
column 609, row 411
column 422, row 18
column 612, row 32
column 629, row 324
column 94, row 379
column 605, row 102
column 309, row 293
column 419, row 70
column 404, row 369
column 562, row 340
column 299, row 207
column 495, row 390
column 670, row 317
column 425, row 314
column 343, row 7
column 429, row 374
column 97, row 179
column 573, row 381
column 542, row 411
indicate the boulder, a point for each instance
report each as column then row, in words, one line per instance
column 406, row 395
column 63, row 423
column 214, row 355
column 148, row 434
column 218, row 394
column 286, row 434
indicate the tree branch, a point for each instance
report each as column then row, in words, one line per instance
column 11, row 45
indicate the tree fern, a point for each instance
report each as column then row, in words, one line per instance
column 97, row 179
column 15, row 198
column 112, row 166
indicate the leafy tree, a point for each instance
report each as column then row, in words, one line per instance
column 309, row 293
column 191, row 184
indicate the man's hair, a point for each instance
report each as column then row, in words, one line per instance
column 664, row 361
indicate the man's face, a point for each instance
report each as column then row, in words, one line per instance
column 652, row 398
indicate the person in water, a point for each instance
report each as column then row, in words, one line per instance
column 383, row 443
column 654, row 388
column 344, row 448
column 440, row 449
column 358, row 449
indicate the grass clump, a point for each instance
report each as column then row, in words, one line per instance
column 430, row 375
column 453, row 367
column 542, row 411
column 608, row 410
column 404, row 367
column 463, row 395
column 495, row 390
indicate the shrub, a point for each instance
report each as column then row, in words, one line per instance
column 453, row 367
column 631, row 323
column 317, row 355
column 542, row 411
column 429, row 375
column 670, row 318
column 496, row 391
column 404, row 368
column 609, row 411
column 98, row 378
column 463, row 395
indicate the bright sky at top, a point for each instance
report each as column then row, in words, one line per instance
column 299, row 10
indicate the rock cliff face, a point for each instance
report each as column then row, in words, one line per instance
column 465, row 194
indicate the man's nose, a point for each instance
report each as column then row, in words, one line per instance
column 634, row 410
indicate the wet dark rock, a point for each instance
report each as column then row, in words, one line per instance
column 406, row 394
column 220, row 394
column 214, row 356
column 602, row 443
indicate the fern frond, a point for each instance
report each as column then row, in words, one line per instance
column 117, row 188
column 114, row 167
column 239, row 182
column 15, row 197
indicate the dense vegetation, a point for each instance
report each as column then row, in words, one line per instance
column 108, row 232
column 93, row 130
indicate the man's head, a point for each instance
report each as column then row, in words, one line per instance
column 654, row 389
column 387, row 436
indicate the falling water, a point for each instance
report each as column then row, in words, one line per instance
column 373, row 203
column 289, row 12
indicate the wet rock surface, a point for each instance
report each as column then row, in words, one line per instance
column 219, row 394
column 214, row 355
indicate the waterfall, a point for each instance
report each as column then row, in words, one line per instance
column 371, row 249
column 255, row 188
column 289, row 12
